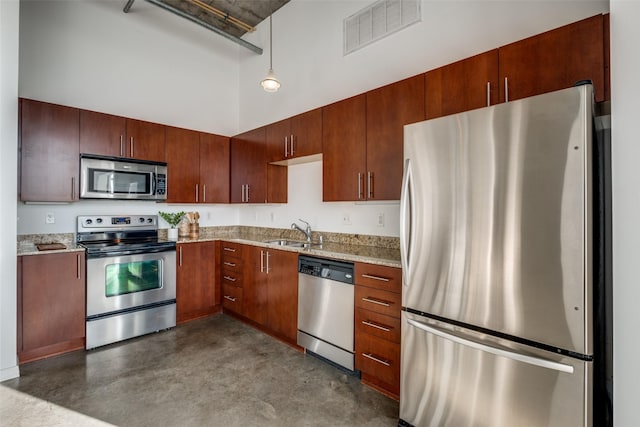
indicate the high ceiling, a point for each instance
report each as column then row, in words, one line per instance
column 229, row 18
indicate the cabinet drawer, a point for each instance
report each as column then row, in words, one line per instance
column 376, row 324
column 379, row 359
column 231, row 264
column 379, row 276
column 232, row 249
column 383, row 302
column 232, row 278
column 232, row 298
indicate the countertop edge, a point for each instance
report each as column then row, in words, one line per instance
column 323, row 253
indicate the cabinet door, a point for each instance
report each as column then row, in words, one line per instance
column 277, row 177
column 53, row 304
column 248, row 167
column 102, row 134
column 255, row 285
column 389, row 108
column 282, row 293
column 306, row 129
column 278, row 140
column 146, row 141
column 49, row 152
column 183, row 155
column 554, row 60
column 195, row 293
column 462, row 86
column 344, row 150
column 214, row 168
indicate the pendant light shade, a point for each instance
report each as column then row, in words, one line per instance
column 270, row 83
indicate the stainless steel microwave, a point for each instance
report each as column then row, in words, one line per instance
column 115, row 178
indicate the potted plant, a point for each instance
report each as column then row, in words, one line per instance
column 173, row 219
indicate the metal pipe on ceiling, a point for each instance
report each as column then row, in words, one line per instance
column 222, row 15
column 195, row 20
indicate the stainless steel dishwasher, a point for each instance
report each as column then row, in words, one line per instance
column 325, row 309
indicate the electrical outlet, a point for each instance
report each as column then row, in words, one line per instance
column 50, row 218
column 346, row 219
column 380, row 220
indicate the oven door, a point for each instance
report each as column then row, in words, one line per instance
column 121, row 283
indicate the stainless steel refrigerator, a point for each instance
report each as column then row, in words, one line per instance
column 498, row 233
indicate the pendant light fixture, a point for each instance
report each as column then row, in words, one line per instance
column 270, row 83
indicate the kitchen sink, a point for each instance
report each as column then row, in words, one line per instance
column 290, row 243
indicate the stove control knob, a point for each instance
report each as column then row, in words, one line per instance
column 140, row 219
column 99, row 220
column 150, row 220
column 89, row 222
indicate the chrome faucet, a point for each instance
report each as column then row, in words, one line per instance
column 307, row 231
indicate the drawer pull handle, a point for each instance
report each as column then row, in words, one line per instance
column 382, row 279
column 230, row 264
column 377, row 326
column 229, row 278
column 229, row 249
column 375, row 301
column 232, row 299
column 375, row 359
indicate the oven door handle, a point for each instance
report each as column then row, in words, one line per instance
column 123, row 252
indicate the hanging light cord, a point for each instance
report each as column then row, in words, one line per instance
column 270, row 42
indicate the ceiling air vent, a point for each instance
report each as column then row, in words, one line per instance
column 378, row 20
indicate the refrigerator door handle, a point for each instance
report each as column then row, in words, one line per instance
column 543, row 363
column 405, row 222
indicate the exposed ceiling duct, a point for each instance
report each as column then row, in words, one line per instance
column 229, row 18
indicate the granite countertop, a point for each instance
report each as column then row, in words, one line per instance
column 356, row 248
column 346, row 247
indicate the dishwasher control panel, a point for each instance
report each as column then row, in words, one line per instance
column 326, row 268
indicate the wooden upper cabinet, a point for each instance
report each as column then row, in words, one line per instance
column 214, row 168
column 298, row 136
column 554, row 60
column 116, row 136
column 464, row 85
column 344, row 131
column 183, row 155
column 146, row 140
column 248, row 167
column 389, row 108
column 102, row 134
column 278, row 135
column 198, row 167
column 49, row 152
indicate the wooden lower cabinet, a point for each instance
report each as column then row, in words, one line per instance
column 51, row 304
column 282, row 294
column 260, row 285
column 233, row 259
column 377, row 326
column 197, row 290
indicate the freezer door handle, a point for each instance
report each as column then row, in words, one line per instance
column 405, row 222
column 544, row 363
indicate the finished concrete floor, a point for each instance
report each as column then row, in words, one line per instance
column 210, row 372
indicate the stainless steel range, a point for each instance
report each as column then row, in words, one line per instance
column 131, row 277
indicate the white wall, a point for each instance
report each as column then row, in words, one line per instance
column 308, row 54
column 305, row 202
column 9, row 11
column 147, row 64
column 625, row 93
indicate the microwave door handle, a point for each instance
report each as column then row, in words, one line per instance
column 154, row 176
